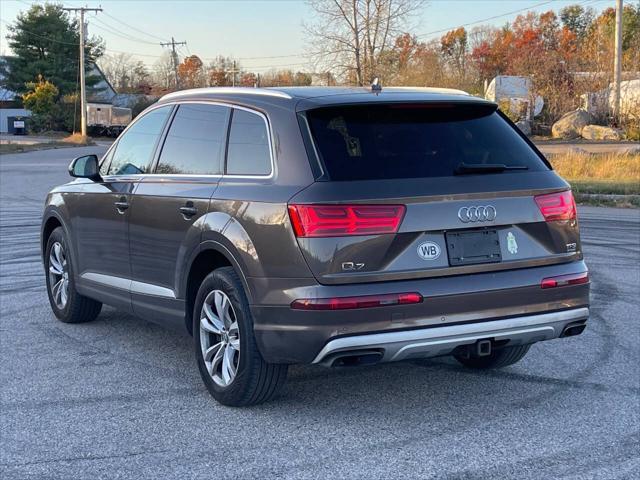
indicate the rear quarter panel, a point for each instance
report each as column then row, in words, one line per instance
column 248, row 215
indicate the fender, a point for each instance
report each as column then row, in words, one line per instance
column 53, row 211
column 226, row 249
column 224, row 234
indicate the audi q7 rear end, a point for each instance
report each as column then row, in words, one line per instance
column 433, row 228
column 327, row 226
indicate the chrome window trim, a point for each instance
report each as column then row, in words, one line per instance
column 313, row 145
column 221, row 176
column 140, row 115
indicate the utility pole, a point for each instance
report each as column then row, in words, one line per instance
column 174, row 56
column 617, row 63
column 83, row 88
column 233, row 74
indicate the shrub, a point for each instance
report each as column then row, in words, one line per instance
column 41, row 100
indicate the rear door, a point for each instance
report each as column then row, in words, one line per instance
column 167, row 205
column 428, row 189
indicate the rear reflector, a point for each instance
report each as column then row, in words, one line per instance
column 564, row 280
column 344, row 220
column 557, row 206
column 349, row 303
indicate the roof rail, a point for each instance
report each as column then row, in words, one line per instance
column 227, row 91
column 452, row 91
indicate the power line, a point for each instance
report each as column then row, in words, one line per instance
column 135, row 29
column 267, row 57
column 111, row 29
column 444, row 30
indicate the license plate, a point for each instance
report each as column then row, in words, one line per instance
column 470, row 248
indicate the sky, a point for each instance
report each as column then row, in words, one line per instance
column 261, row 34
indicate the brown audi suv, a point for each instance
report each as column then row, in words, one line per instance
column 336, row 226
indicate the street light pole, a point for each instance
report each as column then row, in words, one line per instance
column 83, row 88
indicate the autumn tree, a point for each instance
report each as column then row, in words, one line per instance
column 284, row 78
column 577, row 19
column 221, row 71
column 453, row 46
column 191, row 72
column 599, row 42
column 248, row 79
column 353, row 35
column 492, row 53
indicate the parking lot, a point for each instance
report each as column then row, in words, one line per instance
column 122, row 398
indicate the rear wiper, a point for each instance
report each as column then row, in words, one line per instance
column 469, row 168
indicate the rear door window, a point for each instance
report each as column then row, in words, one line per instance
column 195, row 142
column 248, row 152
column 134, row 150
column 368, row 142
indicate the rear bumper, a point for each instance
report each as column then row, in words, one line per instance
column 433, row 342
column 461, row 303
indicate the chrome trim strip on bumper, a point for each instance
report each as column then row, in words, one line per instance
column 429, row 342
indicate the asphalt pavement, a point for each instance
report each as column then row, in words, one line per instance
column 122, row 398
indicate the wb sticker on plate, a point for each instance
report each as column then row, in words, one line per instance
column 429, row 250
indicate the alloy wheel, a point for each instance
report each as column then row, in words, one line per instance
column 219, row 338
column 58, row 275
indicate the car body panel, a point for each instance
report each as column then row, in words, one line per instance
column 162, row 239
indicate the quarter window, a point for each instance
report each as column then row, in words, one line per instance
column 195, row 142
column 134, row 151
column 248, row 152
column 106, row 161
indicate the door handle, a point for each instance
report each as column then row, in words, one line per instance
column 121, row 205
column 188, row 211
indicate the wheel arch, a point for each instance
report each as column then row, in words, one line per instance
column 50, row 221
column 212, row 254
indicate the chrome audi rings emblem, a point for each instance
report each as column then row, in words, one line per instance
column 477, row 214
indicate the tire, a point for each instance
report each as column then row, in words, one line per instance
column 499, row 358
column 248, row 380
column 67, row 304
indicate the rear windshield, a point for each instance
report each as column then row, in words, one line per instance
column 369, row 142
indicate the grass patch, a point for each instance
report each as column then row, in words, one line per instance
column 7, row 148
column 75, row 140
column 626, row 201
column 597, row 179
column 605, row 187
column 608, row 167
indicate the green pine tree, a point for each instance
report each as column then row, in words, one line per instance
column 45, row 42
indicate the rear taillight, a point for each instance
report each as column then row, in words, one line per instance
column 564, row 280
column 349, row 303
column 343, row 220
column 557, row 206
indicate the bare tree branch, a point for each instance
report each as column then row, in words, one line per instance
column 352, row 35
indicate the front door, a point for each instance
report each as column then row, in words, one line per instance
column 163, row 226
column 102, row 211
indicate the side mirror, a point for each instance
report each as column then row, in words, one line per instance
column 85, row 167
